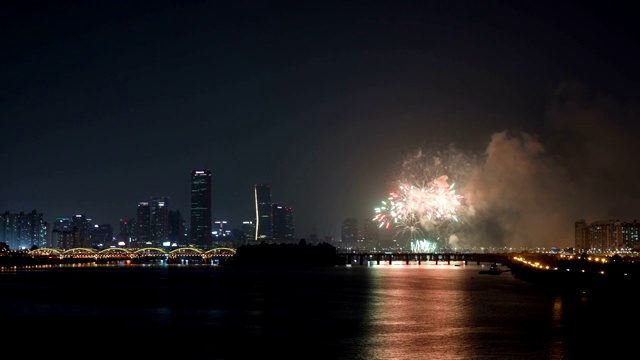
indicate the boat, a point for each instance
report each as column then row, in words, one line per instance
column 494, row 269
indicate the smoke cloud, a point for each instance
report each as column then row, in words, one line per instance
column 528, row 190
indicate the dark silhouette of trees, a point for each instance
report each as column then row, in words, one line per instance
column 286, row 255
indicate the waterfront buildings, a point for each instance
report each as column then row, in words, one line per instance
column 606, row 235
column 273, row 221
column 23, row 230
column 77, row 231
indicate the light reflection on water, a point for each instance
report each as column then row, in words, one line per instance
column 382, row 311
column 413, row 311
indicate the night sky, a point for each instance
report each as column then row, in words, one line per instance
column 533, row 107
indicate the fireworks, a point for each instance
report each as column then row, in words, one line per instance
column 423, row 199
column 413, row 205
column 423, row 246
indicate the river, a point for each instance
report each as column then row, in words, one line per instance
column 389, row 311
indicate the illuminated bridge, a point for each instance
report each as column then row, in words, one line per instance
column 185, row 255
column 190, row 255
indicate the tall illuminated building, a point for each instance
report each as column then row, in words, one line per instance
column 201, row 218
column 262, row 196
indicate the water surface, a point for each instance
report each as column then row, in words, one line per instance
column 347, row 312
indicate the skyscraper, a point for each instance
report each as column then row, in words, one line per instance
column 349, row 232
column 127, row 234
column 177, row 229
column 248, row 231
column 371, row 234
column 143, row 222
column 159, row 220
column 201, row 207
column 263, row 212
column 282, row 223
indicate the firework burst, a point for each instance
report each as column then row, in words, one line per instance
column 423, row 201
column 412, row 205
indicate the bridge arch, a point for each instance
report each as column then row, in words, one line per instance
column 80, row 251
column 185, row 250
column 114, row 250
column 150, row 250
column 45, row 251
column 221, row 250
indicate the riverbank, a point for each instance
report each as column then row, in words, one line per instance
column 21, row 261
column 581, row 274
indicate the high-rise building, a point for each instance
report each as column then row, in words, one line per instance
column 66, row 240
column 222, row 235
column 159, row 220
column 143, row 230
column 371, row 236
column 177, row 229
column 127, row 233
column 84, row 226
column 349, row 233
column 60, row 234
column 581, row 230
column 23, row 230
column 248, row 232
column 201, row 217
column 283, row 226
column 262, row 195
column 103, row 236
column 606, row 235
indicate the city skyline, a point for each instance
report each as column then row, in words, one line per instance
column 104, row 105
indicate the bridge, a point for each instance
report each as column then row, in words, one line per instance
column 362, row 258
column 135, row 255
column 191, row 255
